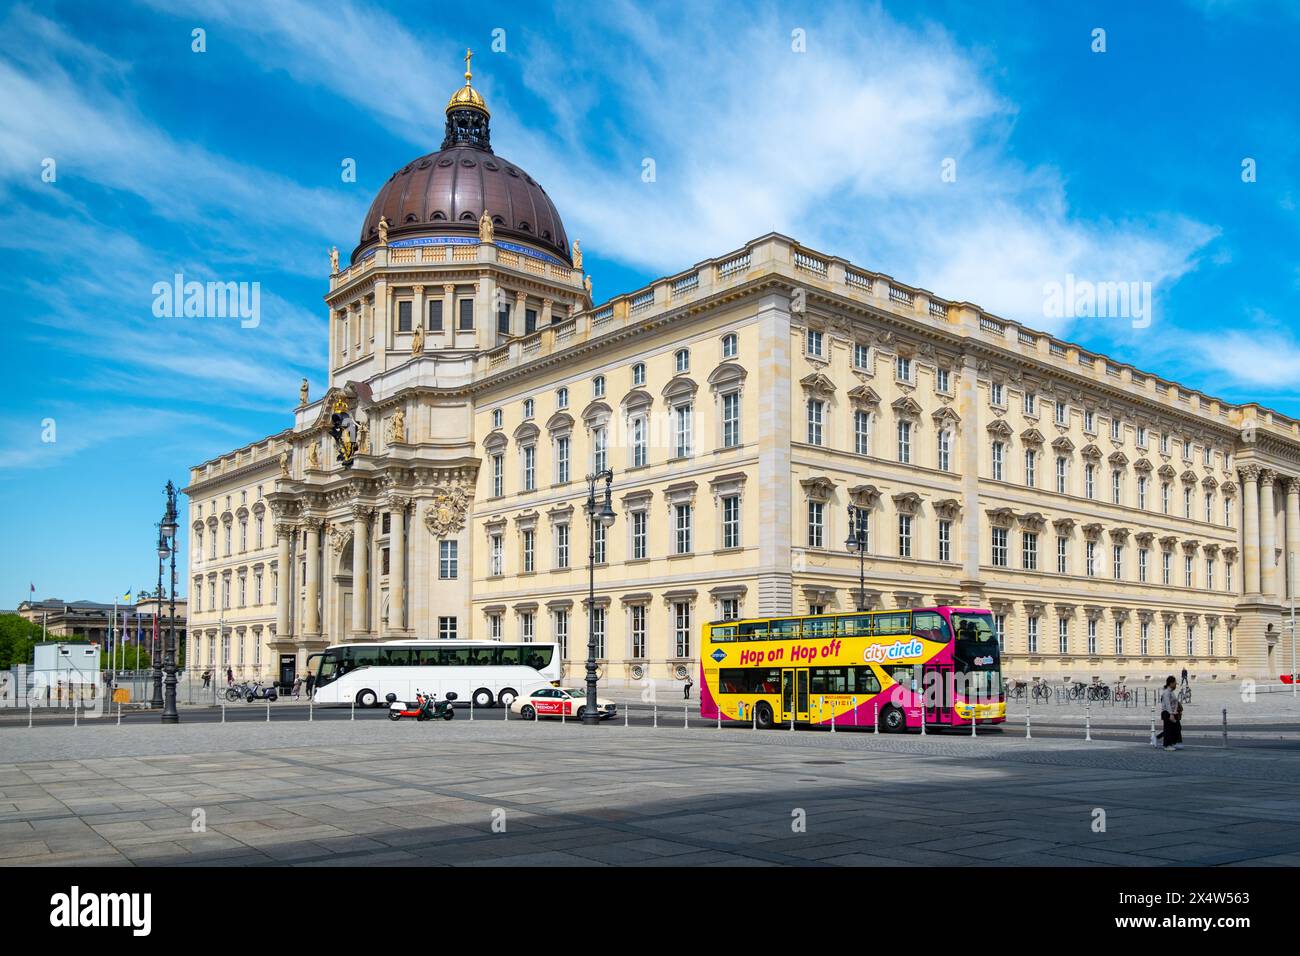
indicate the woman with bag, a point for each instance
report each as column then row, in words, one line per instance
column 1171, row 713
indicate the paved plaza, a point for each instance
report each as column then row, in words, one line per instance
column 494, row 793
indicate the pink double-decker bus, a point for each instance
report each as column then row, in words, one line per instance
column 898, row 669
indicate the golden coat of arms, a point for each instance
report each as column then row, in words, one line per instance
column 446, row 513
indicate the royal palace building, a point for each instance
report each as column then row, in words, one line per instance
column 1117, row 524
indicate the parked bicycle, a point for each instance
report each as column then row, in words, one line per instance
column 238, row 691
column 1099, row 691
column 1122, row 693
column 1042, row 691
column 1016, row 690
column 1075, row 691
column 1185, row 694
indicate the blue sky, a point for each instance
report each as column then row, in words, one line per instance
column 225, row 165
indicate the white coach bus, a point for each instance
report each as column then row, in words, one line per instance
column 487, row 672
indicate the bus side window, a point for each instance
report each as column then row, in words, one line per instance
column 860, row 626
column 753, row 631
column 930, row 625
column 863, row 680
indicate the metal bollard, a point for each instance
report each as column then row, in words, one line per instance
column 471, row 706
column 626, row 712
column 74, row 712
column 29, row 713
column 876, row 722
column 923, row 718
column 1087, row 723
column 686, row 716
column 854, row 701
column 562, row 716
column 311, row 710
column 268, row 711
column 1029, row 734
column 223, row 711
column 119, row 715
column 973, row 721
column 832, row 718
column 753, row 715
column 791, row 720
column 742, row 705
column 1225, row 726
column 656, row 713
column 507, row 713
column 1153, row 725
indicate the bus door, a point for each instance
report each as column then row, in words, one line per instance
column 936, row 685
column 794, row 693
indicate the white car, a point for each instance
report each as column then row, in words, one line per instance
column 559, row 702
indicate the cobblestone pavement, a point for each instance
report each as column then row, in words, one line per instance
column 372, row 792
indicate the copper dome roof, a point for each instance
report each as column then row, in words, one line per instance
column 445, row 193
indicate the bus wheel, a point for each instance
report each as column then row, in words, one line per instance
column 482, row 697
column 507, row 696
column 892, row 720
column 763, row 716
column 367, row 698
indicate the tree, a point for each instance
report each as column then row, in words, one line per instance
column 17, row 637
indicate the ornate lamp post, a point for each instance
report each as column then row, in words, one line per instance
column 168, row 537
column 857, row 541
column 601, row 513
column 155, row 641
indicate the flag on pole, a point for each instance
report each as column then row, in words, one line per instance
column 126, row 598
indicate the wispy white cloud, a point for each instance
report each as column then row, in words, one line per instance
column 840, row 146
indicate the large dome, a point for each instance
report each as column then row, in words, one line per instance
column 445, row 193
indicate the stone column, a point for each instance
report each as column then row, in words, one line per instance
column 311, row 619
column 284, row 578
column 417, row 309
column 1250, row 528
column 968, row 407
column 397, row 563
column 1268, row 536
column 521, row 310
column 1291, row 560
column 360, row 562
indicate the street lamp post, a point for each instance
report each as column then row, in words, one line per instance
column 168, row 537
column 857, row 541
column 155, row 642
column 601, row 513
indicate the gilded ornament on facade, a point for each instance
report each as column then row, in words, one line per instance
column 446, row 514
column 313, row 456
column 486, row 232
column 397, row 428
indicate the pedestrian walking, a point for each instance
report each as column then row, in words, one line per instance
column 207, row 679
column 230, row 677
column 1171, row 713
column 1184, row 676
column 297, row 687
column 311, row 683
column 686, row 688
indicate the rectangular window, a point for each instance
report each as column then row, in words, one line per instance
column 944, row 456
column 1169, row 640
column 1116, row 487
column 942, row 380
column 404, row 315
column 1142, row 492
column 997, row 461
column 527, row 633
column 1033, row 634
column 861, row 356
column 598, row 539
column 1089, row 421
column 447, row 628
column 494, row 627
column 528, row 546
column 638, row 630
column 814, row 343
column 1029, row 550
column 1144, row 638
column 1117, row 561
column 1090, row 567
column 817, row 513
column 904, row 536
column 435, row 315
column 498, row 475
column 1031, row 404
column 1062, row 474
column 530, row 321
column 1143, row 557
column 1031, row 460
column 530, row 467
column 682, row 628
column 1187, row 571
column 1166, row 568
column 815, row 412
column 1062, row 555
column 996, row 394
column 682, row 529
column 1063, row 635
column 731, row 521
column 1089, row 480
column 561, row 546
column 1092, row 637
column 1164, row 497
column 862, row 432
column 1000, row 629
column 600, row 448
column 1209, row 574
column 999, row 547
column 905, row 442
column 945, row 539
column 1191, row 640
column 1061, row 411
column 466, row 315
column 683, row 420
column 497, row 556
column 731, row 420
column 903, row 368
column 562, row 633
column 448, row 560
column 598, row 631
column 638, row 527
column 562, row 459
column 503, row 319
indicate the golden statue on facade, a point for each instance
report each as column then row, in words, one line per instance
column 486, row 231
column 383, row 230
column 417, row 340
column 302, row 393
column 577, row 255
column 334, row 261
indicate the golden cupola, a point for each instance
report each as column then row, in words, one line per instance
column 467, row 97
